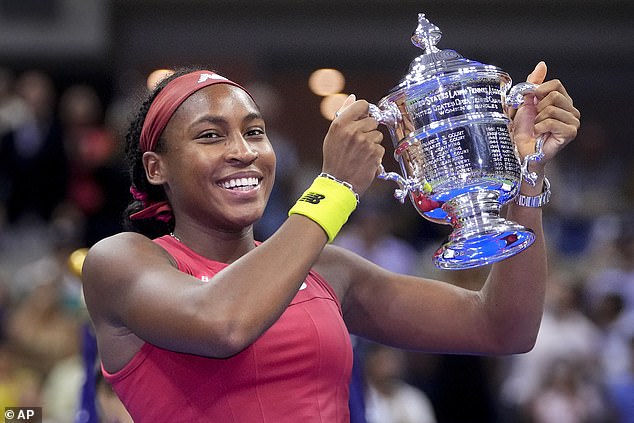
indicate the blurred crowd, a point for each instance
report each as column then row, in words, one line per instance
column 63, row 186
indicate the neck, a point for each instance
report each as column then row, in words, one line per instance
column 224, row 247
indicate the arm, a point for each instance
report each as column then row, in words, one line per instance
column 514, row 293
column 132, row 286
column 502, row 317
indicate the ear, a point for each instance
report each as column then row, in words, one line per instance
column 154, row 169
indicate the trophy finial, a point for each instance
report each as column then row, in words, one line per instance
column 426, row 35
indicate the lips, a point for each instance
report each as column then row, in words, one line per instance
column 240, row 184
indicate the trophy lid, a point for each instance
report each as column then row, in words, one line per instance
column 434, row 62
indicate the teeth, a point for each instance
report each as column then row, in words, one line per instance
column 241, row 183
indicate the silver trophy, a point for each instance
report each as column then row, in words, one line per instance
column 451, row 138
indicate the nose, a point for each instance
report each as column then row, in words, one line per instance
column 240, row 150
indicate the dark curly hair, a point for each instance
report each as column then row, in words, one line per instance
column 151, row 227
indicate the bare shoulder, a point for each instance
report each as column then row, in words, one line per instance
column 115, row 279
column 114, row 262
column 126, row 248
column 121, row 245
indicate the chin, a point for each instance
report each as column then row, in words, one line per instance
column 244, row 221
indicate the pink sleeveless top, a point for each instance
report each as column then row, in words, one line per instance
column 297, row 371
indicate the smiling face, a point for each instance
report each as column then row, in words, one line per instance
column 218, row 165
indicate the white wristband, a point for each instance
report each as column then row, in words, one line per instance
column 536, row 201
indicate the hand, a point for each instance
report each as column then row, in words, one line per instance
column 548, row 112
column 352, row 148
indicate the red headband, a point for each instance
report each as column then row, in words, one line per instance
column 161, row 110
column 171, row 96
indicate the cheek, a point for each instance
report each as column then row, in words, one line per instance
column 268, row 162
column 192, row 168
column 267, row 155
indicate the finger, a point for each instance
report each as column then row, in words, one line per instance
column 561, row 110
column 557, row 97
column 359, row 109
column 538, row 75
column 367, row 124
column 558, row 115
column 375, row 137
column 552, row 86
column 557, row 129
column 362, row 138
column 379, row 152
column 347, row 102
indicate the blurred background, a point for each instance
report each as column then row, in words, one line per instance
column 72, row 72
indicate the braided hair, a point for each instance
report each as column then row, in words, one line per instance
column 146, row 192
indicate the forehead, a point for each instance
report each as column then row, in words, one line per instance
column 220, row 99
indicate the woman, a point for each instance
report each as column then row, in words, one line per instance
column 204, row 323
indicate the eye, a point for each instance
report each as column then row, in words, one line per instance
column 255, row 133
column 209, row 135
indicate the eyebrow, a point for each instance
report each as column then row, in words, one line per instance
column 252, row 116
column 217, row 120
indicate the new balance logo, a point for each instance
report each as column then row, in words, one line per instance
column 206, row 76
column 312, row 197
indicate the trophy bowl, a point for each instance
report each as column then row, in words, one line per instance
column 451, row 139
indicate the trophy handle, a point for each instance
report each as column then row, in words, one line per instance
column 405, row 185
column 390, row 116
column 515, row 98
